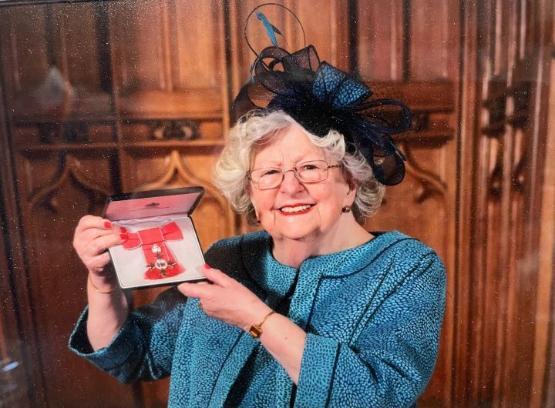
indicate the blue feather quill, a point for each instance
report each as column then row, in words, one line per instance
column 271, row 29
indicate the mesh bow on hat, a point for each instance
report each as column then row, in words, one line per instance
column 321, row 97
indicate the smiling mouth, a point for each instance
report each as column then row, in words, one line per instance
column 296, row 210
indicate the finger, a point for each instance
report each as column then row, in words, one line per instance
column 108, row 227
column 101, row 244
column 93, row 233
column 122, row 229
column 99, row 262
column 193, row 290
column 92, row 221
column 216, row 276
column 94, row 241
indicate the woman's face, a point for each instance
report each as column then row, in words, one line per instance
column 296, row 210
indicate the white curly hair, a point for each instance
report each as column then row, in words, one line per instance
column 255, row 128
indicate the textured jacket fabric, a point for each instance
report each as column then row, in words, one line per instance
column 373, row 315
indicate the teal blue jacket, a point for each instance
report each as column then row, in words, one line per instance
column 373, row 315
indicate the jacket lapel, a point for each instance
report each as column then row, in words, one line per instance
column 269, row 280
column 299, row 312
column 236, row 358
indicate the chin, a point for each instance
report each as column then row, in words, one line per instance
column 299, row 234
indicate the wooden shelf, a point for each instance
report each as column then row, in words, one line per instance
column 420, row 96
column 66, row 147
column 169, row 144
column 172, row 143
column 40, row 119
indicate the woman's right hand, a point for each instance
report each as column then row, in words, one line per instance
column 93, row 236
column 108, row 307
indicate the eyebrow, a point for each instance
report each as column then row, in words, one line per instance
column 279, row 163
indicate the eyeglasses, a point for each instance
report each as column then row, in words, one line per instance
column 308, row 172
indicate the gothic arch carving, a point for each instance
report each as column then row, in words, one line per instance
column 70, row 169
column 177, row 168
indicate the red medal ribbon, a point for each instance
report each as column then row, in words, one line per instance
column 160, row 260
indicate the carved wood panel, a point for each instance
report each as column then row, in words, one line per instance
column 171, row 72
column 106, row 97
column 504, row 269
column 56, row 189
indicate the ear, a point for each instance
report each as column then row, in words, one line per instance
column 252, row 215
column 352, row 186
column 351, row 193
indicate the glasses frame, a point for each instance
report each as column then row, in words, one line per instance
column 295, row 171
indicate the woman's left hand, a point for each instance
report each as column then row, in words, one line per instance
column 226, row 299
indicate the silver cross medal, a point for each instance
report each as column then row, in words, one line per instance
column 161, row 264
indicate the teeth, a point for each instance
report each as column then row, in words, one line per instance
column 295, row 209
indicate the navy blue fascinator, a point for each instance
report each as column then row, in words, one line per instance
column 321, row 97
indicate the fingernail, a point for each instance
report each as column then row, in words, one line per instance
column 123, row 236
column 206, row 266
column 107, row 224
column 123, row 230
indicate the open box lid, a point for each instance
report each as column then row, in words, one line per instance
column 154, row 203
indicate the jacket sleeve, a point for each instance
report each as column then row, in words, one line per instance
column 391, row 361
column 143, row 348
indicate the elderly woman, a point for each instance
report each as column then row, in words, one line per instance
column 311, row 311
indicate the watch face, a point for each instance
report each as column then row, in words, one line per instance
column 255, row 331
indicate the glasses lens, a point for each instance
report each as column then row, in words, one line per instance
column 266, row 178
column 313, row 171
column 307, row 172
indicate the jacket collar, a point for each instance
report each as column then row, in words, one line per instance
column 256, row 249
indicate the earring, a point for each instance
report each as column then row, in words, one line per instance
column 346, row 209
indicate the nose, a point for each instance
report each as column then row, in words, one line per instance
column 290, row 183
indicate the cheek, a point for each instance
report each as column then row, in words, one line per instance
column 334, row 196
column 263, row 201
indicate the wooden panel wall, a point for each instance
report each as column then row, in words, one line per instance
column 106, row 97
column 103, row 98
column 504, row 292
column 509, row 160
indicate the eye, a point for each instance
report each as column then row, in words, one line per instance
column 269, row 172
column 309, row 166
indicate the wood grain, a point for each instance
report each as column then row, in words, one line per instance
column 101, row 98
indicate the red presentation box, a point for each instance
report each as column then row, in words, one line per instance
column 162, row 246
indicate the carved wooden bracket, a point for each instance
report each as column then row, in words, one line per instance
column 67, row 132
column 181, row 129
column 420, row 121
column 70, row 169
column 495, row 180
column 520, row 94
column 496, row 107
column 170, row 129
column 508, row 108
column 430, row 183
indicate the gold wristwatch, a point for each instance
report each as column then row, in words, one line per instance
column 256, row 329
